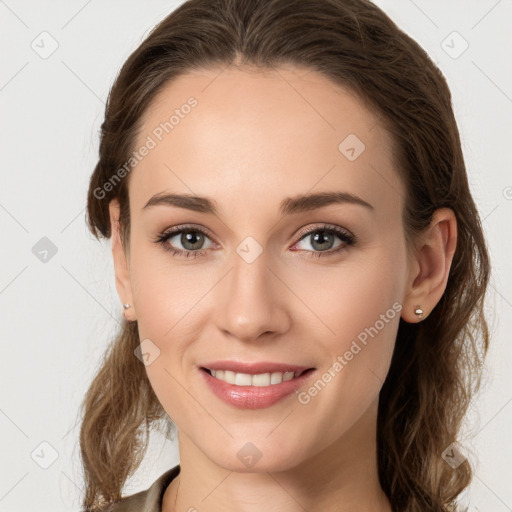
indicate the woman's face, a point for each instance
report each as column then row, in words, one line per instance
column 255, row 287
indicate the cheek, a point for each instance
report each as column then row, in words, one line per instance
column 164, row 290
column 167, row 300
column 163, row 304
column 371, row 307
column 349, row 296
column 363, row 314
column 357, row 308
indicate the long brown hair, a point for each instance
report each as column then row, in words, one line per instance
column 436, row 365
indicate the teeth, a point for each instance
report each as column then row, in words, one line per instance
column 261, row 379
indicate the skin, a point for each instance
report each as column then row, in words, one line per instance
column 254, row 139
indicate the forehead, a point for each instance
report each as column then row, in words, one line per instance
column 261, row 135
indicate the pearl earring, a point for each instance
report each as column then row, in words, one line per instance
column 126, row 306
column 418, row 311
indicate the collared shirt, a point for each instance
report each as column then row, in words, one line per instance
column 149, row 500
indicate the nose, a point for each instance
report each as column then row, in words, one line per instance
column 252, row 301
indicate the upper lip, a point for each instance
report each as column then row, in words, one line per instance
column 254, row 368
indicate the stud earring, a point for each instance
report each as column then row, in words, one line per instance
column 418, row 311
column 126, row 306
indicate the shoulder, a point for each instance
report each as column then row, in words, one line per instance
column 149, row 500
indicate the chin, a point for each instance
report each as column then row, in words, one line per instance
column 249, row 458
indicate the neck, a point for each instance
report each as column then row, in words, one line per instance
column 342, row 477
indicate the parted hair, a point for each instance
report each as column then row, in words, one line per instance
column 436, row 367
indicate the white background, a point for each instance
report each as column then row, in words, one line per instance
column 57, row 317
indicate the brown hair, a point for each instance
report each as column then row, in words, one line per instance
column 436, row 365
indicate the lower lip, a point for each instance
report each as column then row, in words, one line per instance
column 254, row 397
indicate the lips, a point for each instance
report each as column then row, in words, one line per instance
column 252, row 396
column 254, row 368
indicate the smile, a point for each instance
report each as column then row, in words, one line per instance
column 254, row 391
column 260, row 380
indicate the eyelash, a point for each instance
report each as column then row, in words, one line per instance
column 344, row 235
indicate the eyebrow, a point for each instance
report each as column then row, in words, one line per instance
column 290, row 205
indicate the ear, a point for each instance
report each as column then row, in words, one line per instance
column 121, row 267
column 430, row 265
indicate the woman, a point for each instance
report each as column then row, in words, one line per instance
column 301, row 264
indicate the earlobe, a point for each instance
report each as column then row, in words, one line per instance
column 431, row 268
column 122, row 272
